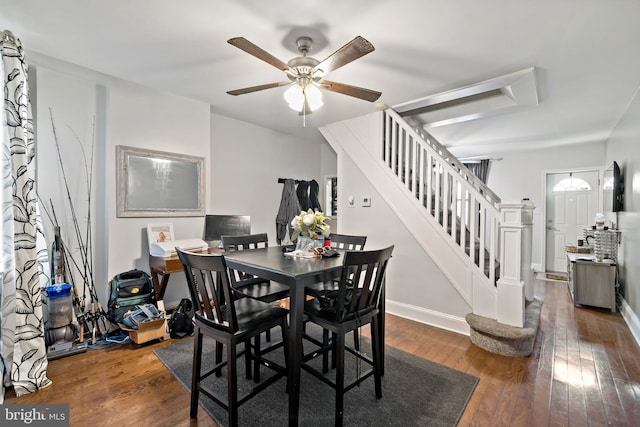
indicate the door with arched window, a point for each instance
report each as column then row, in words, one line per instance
column 572, row 203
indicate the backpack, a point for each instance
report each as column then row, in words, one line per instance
column 181, row 324
column 127, row 291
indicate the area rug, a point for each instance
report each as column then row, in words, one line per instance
column 415, row 392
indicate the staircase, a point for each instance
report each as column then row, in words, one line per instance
column 480, row 244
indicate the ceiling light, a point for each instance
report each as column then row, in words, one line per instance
column 296, row 96
column 314, row 97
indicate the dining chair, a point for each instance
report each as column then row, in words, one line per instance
column 229, row 321
column 247, row 285
column 357, row 303
column 318, row 290
column 340, row 241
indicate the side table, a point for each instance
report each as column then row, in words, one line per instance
column 162, row 267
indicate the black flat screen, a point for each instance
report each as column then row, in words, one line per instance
column 226, row 225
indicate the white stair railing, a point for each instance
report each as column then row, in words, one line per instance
column 463, row 206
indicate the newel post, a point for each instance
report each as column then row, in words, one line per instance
column 516, row 275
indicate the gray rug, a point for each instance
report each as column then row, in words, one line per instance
column 415, row 392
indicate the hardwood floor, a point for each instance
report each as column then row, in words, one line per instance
column 585, row 370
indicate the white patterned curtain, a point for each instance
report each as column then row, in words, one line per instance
column 23, row 358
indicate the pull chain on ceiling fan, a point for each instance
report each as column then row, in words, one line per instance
column 306, row 73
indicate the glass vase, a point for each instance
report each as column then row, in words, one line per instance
column 306, row 244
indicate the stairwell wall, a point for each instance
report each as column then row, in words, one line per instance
column 416, row 287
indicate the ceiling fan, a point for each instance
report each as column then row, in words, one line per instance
column 306, row 74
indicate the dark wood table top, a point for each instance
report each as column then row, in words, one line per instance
column 271, row 263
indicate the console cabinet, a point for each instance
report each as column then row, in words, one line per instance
column 592, row 283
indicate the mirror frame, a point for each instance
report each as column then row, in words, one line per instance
column 125, row 172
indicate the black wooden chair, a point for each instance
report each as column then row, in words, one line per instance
column 247, row 285
column 319, row 290
column 346, row 241
column 357, row 303
column 229, row 321
column 340, row 241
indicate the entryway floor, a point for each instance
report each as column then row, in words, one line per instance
column 553, row 277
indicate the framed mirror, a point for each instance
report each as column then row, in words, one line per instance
column 159, row 184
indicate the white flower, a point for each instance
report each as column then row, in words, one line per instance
column 309, row 220
column 309, row 224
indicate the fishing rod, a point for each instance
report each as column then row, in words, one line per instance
column 78, row 303
column 86, row 272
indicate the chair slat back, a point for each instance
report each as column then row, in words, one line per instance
column 210, row 290
column 240, row 243
column 348, row 242
column 361, row 281
column 245, row 241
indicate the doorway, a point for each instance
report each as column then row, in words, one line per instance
column 571, row 205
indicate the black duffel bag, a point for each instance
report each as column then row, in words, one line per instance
column 181, row 322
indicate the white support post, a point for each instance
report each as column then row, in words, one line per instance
column 516, row 274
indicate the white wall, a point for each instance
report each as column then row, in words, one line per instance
column 623, row 147
column 416, row 288
column 522, row 174
column 141, row 117
column 246, row 162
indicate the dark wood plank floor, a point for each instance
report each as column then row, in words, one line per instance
column 585, row 371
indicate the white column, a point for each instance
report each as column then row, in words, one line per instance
column 516, row 274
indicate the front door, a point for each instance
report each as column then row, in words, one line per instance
column 572, row 203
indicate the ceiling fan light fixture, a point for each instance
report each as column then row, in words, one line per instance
column 296, row 95
column 306, row 74
column 314, row 97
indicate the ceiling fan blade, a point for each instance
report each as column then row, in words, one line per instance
column 357, row 92
column 351, row 51
column 257, row 88
column 252, row 49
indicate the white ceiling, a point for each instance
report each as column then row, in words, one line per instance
column 585, row 54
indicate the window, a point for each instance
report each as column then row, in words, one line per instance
column 572, row 184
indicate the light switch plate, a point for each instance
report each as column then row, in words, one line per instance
column 366, row 201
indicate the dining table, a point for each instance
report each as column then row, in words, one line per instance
column 272, row 263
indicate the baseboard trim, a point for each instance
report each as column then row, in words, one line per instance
column 631, row 319
column 428, row 317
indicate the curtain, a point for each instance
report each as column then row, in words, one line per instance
column 479, row 169
column 23, row 357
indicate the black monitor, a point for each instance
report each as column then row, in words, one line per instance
column 226, row 225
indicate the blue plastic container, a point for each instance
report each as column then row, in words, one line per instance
column 59, row 290
column 60, row 305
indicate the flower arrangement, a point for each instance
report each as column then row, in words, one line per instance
column 310, row 224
